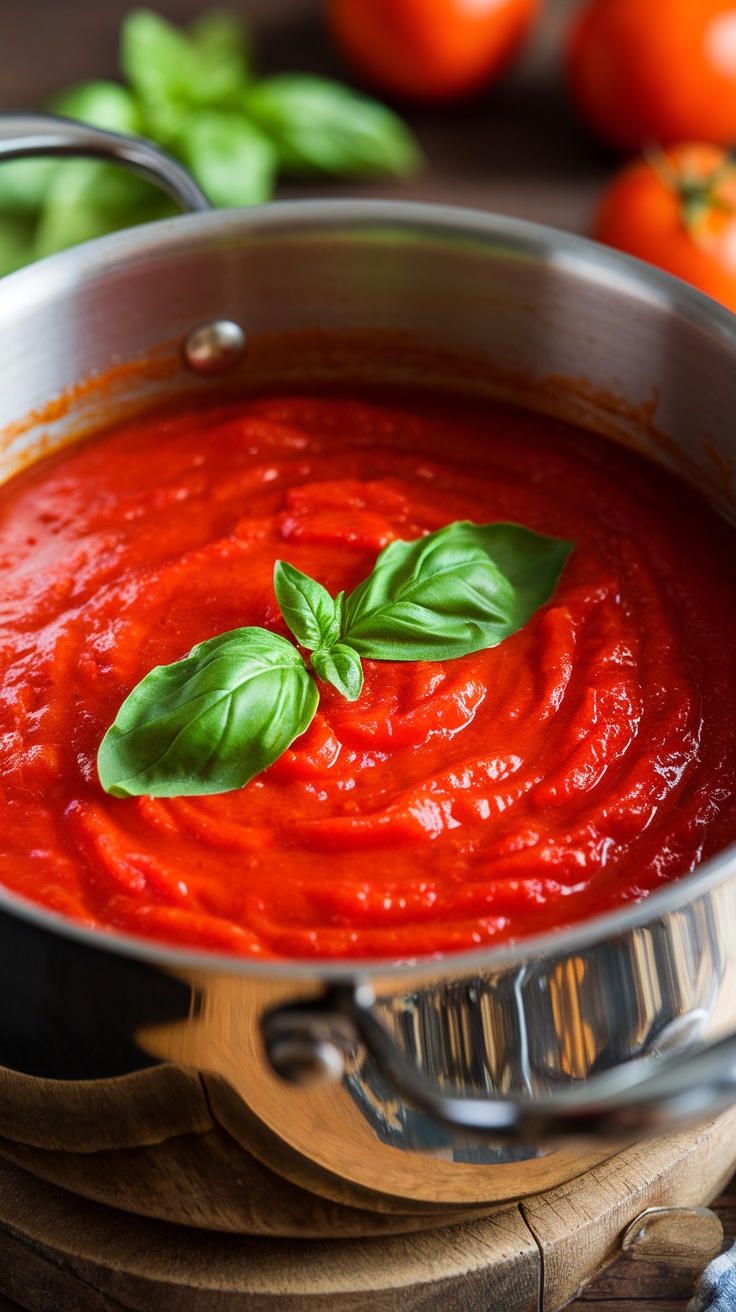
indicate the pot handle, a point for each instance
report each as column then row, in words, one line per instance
column 306, row 1043
column 25, row 135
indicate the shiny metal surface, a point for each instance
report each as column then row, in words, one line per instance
column 24, row 135
column 214, row 348
column 636, row 1097
column 347, row 292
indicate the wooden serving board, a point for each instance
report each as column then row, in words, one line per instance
column 59, row 1250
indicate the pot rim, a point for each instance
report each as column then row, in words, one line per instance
column 564, row 250
column 51, row 275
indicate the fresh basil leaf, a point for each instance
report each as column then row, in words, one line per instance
column 157, row 58
column 310, row 612
column 24, row 184
column 16, row 238
column 71, row 213
column 230, row 158
column 71, row 202
column 174, row 72
column 210, row 722
column 88, row 199
column 459, row 590
column 320, row 126
column 224, row 57
column 341, row 666
column 103, row 104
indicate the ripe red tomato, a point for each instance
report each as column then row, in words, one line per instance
column 655, row 70
column 429, row 50
column 677, row 209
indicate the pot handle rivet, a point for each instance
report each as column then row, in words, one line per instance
column 305, row 1045
column 214, row 348
column 303, row 1059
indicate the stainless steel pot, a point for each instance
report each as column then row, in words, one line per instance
column 397, row 1085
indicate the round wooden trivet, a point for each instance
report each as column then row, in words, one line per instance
column 171, row 1145
column 58, row 1250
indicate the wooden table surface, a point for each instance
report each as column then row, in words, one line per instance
column 517, row 149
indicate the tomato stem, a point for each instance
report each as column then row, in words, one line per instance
column 697, row 193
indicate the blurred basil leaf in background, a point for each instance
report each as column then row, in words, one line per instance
column 233, row 161
column 172, row 71
column 323, row 127
column 195, row 93
column 24, row 183
column 16, row 239
column 87, row 199
column 105, row 104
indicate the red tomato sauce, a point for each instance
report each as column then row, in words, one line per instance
column 456, row 804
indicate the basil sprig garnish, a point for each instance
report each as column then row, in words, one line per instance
column 210, row 722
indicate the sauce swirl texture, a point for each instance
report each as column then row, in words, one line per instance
column 456, row 804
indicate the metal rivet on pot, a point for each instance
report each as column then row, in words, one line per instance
column 304, row 1058
column 681, row 1236
column 214, row 348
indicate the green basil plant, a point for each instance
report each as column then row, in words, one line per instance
column 196, row 93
